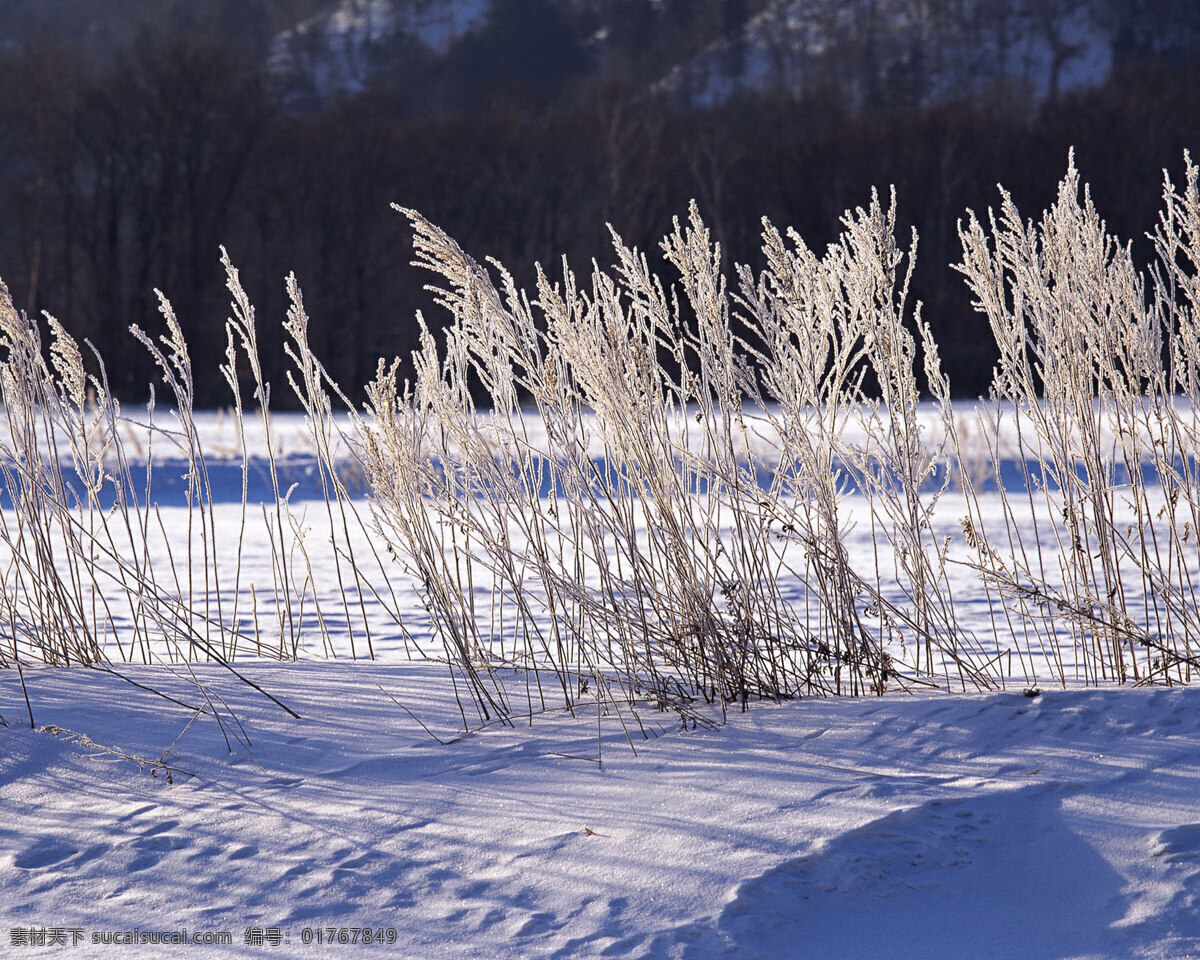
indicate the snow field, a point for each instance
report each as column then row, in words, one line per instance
column 996, row 825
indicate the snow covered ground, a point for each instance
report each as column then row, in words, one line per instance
column 1062, row 825
column 940, row 825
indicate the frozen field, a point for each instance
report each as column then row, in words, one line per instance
column 927, row 824
column 996, row 825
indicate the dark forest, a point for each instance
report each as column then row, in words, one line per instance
column 133, row 145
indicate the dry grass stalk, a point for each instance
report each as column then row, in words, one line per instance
column 655, row 498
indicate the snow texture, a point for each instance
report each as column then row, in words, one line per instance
column 1062, row 825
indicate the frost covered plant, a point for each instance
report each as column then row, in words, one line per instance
column 622, row 489
column 1096, row 379
column 91, row 573
column 624, row 525
column 824, row 325
column 679, row 530
column 569, row 537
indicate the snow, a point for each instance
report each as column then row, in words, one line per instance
column 1062, row 824
column 333, row 47
column 789, row 44
column 1065, row 825
column 796, row 44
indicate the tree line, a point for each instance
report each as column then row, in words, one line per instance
column 124, row 173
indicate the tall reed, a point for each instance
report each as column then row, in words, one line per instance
column 1094, row 381
column 620, row 489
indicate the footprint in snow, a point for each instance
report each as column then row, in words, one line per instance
column 1174, row 928
column 44, row 853
column 1180, row 844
